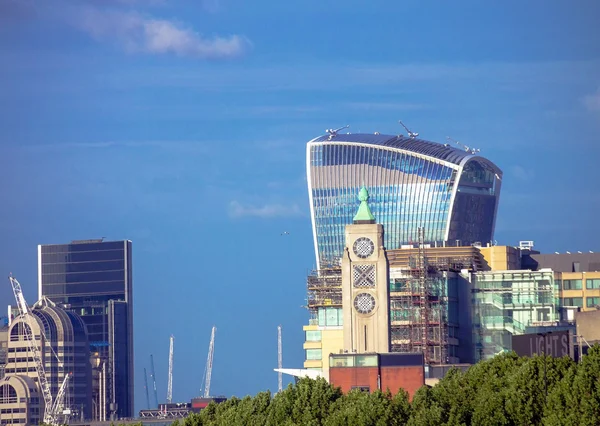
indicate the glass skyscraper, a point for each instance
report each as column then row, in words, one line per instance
column 93, row 278
column 412, row 183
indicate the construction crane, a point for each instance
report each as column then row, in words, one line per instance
column 333, row 132
column 279, row 360
column 209, row 363
column 153, row 379
column 411, row 135
column 59, row 402
column 146, row 388
column 465, row 147
column 50, row 409
column 170, row 382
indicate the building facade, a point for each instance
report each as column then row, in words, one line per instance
column 65, row 352
column 507, row 303
column 93, row 278
column 453, row 194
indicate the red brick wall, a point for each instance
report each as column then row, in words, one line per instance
column 407, row 378
column 392, row 378
column 349, row 377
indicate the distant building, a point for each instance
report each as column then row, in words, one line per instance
column 93, row 278
column 65, row 351
column 452, row 193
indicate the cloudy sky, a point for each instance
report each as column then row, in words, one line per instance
column 182, row 125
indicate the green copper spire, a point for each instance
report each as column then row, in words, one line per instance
column 364, row 214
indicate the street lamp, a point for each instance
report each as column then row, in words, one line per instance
column 545, row 378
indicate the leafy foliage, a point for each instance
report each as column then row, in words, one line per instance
column 507, row 390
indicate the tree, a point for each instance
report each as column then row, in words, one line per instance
column 309, row 402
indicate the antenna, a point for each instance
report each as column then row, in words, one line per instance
column 333, row 132
column 410, row 134
column 170, row 382
column 279, row 359
column 146, row 388
column 465, row 147
column 153, row 379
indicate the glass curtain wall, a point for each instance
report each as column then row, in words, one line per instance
column 405, row 191
column 505, row 303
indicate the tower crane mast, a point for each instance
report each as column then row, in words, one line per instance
column 153, row 375
column 279, row 360
column 209, row 362
column 146, row 388
column 170, row 382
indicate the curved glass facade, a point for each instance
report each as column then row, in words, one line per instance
column 408, row 189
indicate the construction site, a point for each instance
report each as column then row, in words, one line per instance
column 175, row 410
column 423, row 292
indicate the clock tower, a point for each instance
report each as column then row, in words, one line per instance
column 365, row 284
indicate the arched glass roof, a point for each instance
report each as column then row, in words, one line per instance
column 432, row 149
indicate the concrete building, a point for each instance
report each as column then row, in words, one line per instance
column 452, row 193
column 20, row 401
column 93, row 278
column 64, row 350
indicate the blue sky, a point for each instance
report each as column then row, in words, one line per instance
column 182, row 125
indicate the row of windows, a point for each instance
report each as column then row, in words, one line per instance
column 314, row 354
column 590, row 284
column 84, row 277
column 114, row 287
column 313, row 336
column 331, row 317
column 590, row 302
column 76, row 257
column 71, row 267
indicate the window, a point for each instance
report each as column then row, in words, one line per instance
column 592, row 284
column 592, row 302
column 330, row 317
column 571, row 284
column 573, row 301
column 313, row 354
column 313, row 336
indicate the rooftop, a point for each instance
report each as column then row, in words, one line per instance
column 445, row 152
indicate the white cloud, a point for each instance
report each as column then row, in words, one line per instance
column 137, row 33
column 236, row 209
column 592, row 102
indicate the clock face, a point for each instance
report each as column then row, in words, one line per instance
column 363, row 247
column 364, row 303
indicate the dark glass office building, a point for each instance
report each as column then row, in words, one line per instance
column 93, row 278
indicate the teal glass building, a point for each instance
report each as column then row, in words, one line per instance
column 452, row 193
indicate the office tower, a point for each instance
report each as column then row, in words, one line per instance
column 93, row 278
column 64, row 351
column 452, row 193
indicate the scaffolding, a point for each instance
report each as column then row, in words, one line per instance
column 419, row 305
column 324, row 290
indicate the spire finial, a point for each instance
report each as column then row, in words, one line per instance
column 363, row 215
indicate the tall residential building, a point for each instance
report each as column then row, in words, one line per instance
column 93, row 278
column 452, row 193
